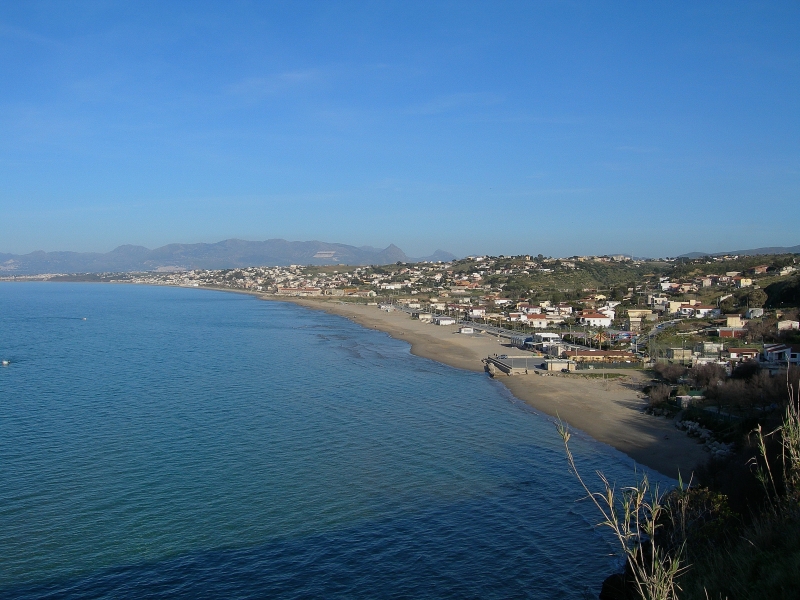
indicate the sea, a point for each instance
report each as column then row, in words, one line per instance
column 161, row 442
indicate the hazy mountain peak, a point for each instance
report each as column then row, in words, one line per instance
column 224, row 254
column 750, row 252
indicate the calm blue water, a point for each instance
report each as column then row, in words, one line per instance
column 193, row 444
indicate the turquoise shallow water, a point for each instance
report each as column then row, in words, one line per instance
column 188, row 443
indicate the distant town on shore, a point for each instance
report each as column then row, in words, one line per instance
column 694, row 311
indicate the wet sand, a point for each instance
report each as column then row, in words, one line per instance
column 609, row 411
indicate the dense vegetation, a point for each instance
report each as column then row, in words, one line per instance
column 783, row 293
column 735, row 532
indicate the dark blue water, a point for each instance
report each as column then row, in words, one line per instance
column 194, row 444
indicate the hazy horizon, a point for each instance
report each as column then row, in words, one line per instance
column 648, row 130
column 425, row 256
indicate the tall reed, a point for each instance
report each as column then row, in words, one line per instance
column 634, row 514
column 783, row 494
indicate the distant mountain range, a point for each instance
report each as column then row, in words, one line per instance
column 222, row 255
column 751, row 252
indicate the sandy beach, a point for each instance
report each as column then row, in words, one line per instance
column 609, row 411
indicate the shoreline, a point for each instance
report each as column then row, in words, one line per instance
column 608, row 411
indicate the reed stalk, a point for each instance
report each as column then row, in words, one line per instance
column 634, row 514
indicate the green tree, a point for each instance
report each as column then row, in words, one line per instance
column 756, row 297
column 728, row 305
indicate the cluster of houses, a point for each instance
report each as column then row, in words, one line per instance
column 474, row 275
column 545, row 314
column 773, row 355
column 736, row 279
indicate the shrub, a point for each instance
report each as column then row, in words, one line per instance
column 745, row 370
column 659, row 394
column 704, row 376
column 761, row 560
column 670, row 372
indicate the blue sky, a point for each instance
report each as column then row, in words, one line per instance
column 495, row 127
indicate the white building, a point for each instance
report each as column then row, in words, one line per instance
column 607, row 311
column 538, row 321
column 547, row 337
column 594, row 320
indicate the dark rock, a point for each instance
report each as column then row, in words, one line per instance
column 618, row 587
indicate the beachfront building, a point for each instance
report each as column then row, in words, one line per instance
column 600, row 356
column 550, row 338
column 443, row 320
column 298, row 291
column 560, row 364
